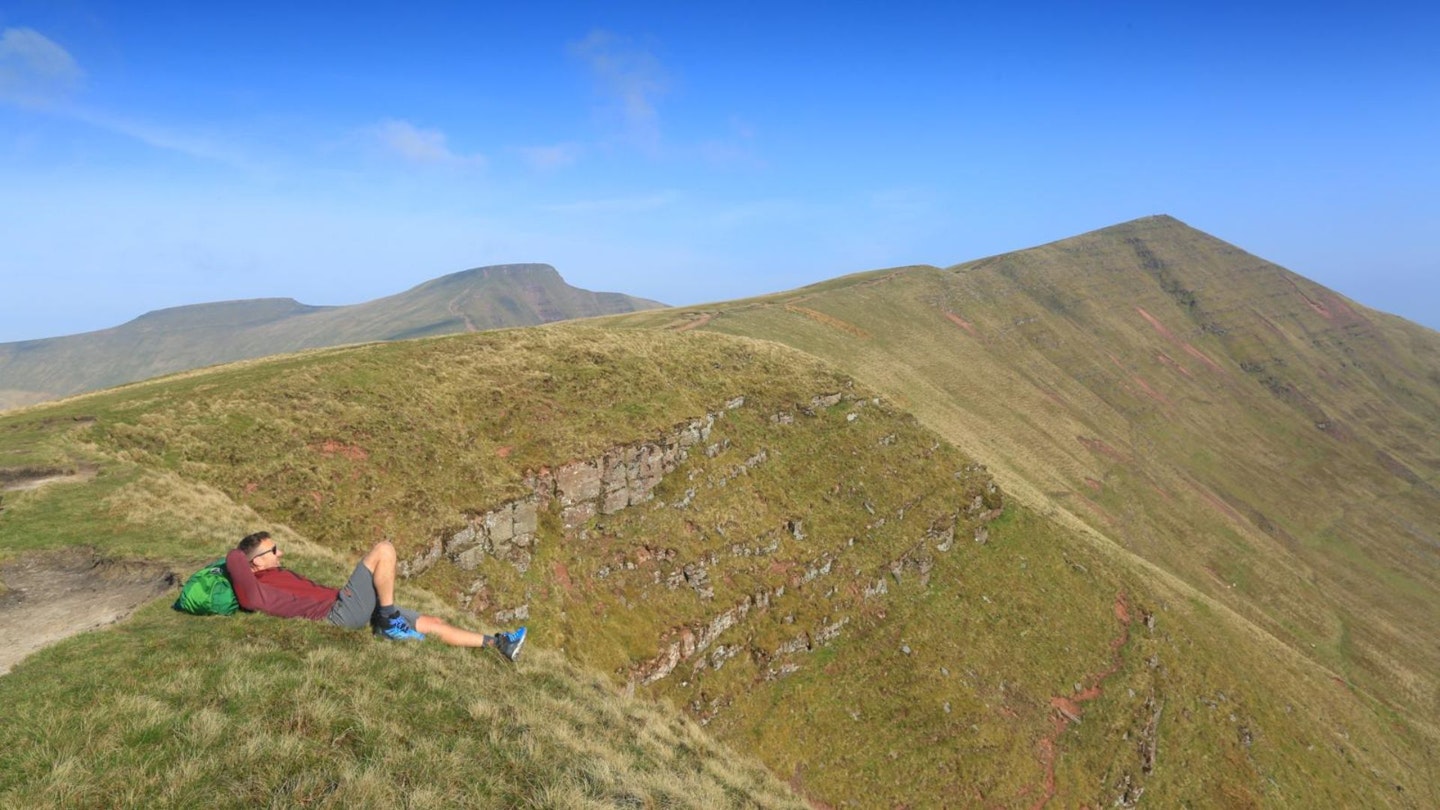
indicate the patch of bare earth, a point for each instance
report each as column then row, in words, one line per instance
column 50, row 596
column 23, row 478
column 694, row 323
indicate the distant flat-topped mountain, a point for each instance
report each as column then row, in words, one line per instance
column 182, row 338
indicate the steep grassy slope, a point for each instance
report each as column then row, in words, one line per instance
column 205, row 334
column 1259, row 438
column 730, row 526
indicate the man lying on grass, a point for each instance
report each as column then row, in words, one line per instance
column 369, row 597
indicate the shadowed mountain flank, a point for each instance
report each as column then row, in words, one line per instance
column 183, row 338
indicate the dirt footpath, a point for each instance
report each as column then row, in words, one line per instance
column 50, row 596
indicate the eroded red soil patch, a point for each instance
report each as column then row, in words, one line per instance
column 961, row 322
column 828, row 320
column 1097, row 509
column 1330, row 307
column 1202, row 357
column 331, row 447
column 1099, row 447
column 1067, row 708
column 1172, row 363
column 1054, row 396
column 1150, row 392
column 1155, row 322
column 1189, row 349
column 562, row 577
column 1220, row 505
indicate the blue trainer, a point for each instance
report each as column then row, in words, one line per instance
column 397, row 629
column 509, row 643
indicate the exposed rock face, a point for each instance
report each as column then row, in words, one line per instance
column 508, row 533
column 622, row 477
column 581, row 491
column 688, row 644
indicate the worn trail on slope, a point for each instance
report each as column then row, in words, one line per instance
column 1067, row 708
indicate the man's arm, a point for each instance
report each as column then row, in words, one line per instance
column 247, row 588
column 288, row 596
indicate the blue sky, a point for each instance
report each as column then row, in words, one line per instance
column 157, row 154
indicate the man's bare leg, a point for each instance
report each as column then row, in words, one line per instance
column 381, row 562
column 452, row 635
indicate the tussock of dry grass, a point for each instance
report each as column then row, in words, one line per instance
column 199, row 516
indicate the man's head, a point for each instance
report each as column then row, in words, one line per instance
column 260, row 550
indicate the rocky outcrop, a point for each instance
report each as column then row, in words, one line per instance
column 621, row 477
column 507, row 533
column 689, row 643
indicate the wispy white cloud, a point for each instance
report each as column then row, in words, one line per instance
column 39, row 74
column 419, row 145
column 617, row 205
column 632, row 80
column 159, row 136
column 34, row 69
column 550, row 158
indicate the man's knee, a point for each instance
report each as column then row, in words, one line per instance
column 382, row 553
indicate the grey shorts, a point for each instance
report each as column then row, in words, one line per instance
column 357, row 603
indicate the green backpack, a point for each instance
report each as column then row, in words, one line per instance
column 208, row 592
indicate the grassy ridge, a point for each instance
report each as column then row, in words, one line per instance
column 1228, row 427
column 1267, row 452
column 338, row 448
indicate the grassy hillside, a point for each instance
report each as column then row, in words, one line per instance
column 190, row 337
column 737, row 529
column 168, row 710
column 1233, row 428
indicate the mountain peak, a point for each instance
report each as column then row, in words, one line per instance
column 1147, row 225
column 531, row 273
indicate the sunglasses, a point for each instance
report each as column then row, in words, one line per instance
column 275, row 549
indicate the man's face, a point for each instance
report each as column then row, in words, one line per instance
column 267, row 555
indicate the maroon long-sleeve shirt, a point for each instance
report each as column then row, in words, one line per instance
column 278, row 591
